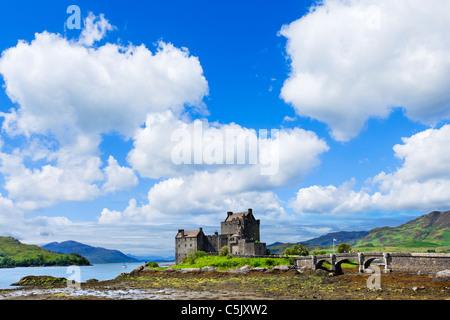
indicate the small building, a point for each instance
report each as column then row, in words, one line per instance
column 239, row 231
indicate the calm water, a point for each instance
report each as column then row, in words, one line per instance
column 102, row 271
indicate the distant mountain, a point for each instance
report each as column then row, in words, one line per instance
column 432, row 229
column 93, row 254
column 350, row 237
column 274, row 244
column 429, row 230
column 14, row 253
column 152, row 258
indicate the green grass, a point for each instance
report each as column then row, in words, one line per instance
column 350, row 264
column 228, row 262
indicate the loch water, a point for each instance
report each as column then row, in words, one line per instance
column 101, row 271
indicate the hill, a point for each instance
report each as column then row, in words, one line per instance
column 152, row 258
column 429, row 230
column 93, row 254
column 13, row 253
column 350, row 237
column 323, row 241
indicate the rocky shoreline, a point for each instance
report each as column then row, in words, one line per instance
column 208, row 283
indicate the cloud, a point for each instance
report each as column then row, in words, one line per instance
column 420, row 183
column 424, row 178
column 160, row 149
column 62, row 86
column 203, row 192
column 117, row 177
column 199, row 178
column 353, row 60
column 198, row 198
column 69, row 173
column 331, row 200
column 9, row 213
column 95, row 29
column 68, row 94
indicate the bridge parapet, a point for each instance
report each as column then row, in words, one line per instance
column 403, row 261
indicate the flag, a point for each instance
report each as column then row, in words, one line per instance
column 334, row 239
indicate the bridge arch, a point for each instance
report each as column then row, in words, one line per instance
column 338, row 265
column 370, row 260
column 319, row 264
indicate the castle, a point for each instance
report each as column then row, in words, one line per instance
column 239, row 231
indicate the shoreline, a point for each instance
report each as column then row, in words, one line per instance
column 288, row 284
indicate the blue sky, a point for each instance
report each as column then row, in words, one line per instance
column 357, row 89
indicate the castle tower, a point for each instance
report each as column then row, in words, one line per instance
column 243, row 224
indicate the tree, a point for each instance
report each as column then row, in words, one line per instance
column 223, row 251
column 344, row 247
column 300, row 250
column 192, row 256
column 296, row 249
column 152, row 265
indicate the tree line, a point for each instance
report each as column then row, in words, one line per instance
column 39, row 260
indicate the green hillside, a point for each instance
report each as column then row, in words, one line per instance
column 350, row 237
column 322, row 242
column 430, row 230
column 13, row 253
column 279, row 247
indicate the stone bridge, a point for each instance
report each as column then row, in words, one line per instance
column 399, row 261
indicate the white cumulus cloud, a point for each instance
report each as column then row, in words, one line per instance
column 357, row 59
column 420, row 183
column 68, row 94
column 292, row 153
column 61, row 85
column 118, row 177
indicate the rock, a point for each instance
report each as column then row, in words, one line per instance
column 190, row 270
column 138, row 269
column 208, row 269
column 301, row 270
column 284, row 267
column 258, row 269
column 169, row 270
column 148, row 270
column 442, row 275
column 273, row 270
column 415, row 289
column 245, row 268
column 91, row 281
column 40, row 281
